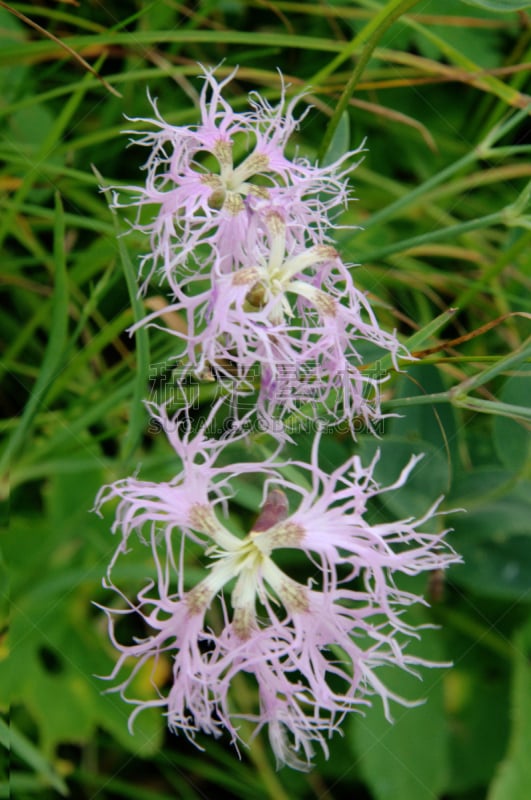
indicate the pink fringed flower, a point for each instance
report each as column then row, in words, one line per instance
column 313, row 646
column 211, row 183
column 290, row 322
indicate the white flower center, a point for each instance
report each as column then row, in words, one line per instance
column 276, row 278
column 249, row 562
column 232, row 184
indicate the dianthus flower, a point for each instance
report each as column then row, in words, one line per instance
column 313, row 646
column 211, row 183
column 292, row 322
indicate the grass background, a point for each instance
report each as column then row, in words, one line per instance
column 442, row 234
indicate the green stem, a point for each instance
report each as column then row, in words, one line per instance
column 501, row 365
column 484, row 150
column 256, row 751
column 48, row 146
column 490, row 82
column 410, row 197
column 417, row 400
column 490, row 407
column 459, row 395
column 381, row 22
column 494, row 270
column 435, row 236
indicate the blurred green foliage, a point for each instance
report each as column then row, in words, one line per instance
column 441, row 223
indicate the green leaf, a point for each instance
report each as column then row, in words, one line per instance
column 409, row 758
column 485, row 50
column 493, row 535
column 426, row 483
column 423, row 337
column 492, row 568
column 513, row 779
column 433, row 422
column 476, row 692
column 498, row 5
column 31, row 126
column 29, row 754
column 340, row 141
column 56, row 644
column 511, row 438
column 137, row 419
column 373, row 31
column 55, row 347
column 56, row 653
column 11, row 78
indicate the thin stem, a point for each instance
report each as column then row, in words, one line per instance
column 257, row 752
column 463, row 300
column 62, row 44
column 436, row 236
column 484, row 150
column 382, row 21
column 502, row 365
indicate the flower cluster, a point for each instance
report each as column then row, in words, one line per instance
column 203, row 202
column 244, row 244
column 277, row 296
column 285, row 633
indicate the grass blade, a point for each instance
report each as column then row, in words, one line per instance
column 53, row 357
